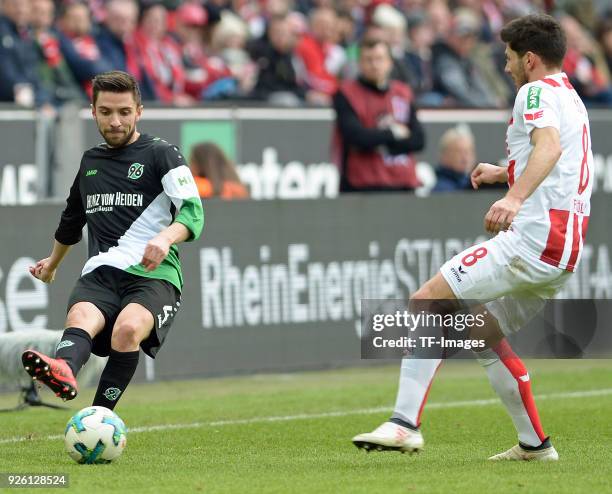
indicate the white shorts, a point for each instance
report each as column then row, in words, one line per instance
column 507, row 277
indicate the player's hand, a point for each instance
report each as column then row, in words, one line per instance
column 500, row 215
column 43, row 271
column 155, row 252
column 486, row 173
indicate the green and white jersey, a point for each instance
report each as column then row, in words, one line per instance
column 126, row 196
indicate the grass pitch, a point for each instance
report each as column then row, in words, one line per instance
column 291, row 433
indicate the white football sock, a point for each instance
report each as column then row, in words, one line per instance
column 416, row 376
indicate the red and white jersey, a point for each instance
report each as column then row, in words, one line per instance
column 553, row 220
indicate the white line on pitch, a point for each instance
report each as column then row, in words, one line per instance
column 322, row 415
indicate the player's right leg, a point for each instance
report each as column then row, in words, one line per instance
column 83, row 322
column 401, row 432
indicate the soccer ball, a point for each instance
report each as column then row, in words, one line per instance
column 95, row 435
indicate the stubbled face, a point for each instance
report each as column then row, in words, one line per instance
column 116, row 115
column 515, row 67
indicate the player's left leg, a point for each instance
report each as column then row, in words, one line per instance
column 133, row 325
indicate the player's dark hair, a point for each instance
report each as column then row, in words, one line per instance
column 538, row 33
column 116, row 81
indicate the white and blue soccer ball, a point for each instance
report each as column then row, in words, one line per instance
column 95, row 435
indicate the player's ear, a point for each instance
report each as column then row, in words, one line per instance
column 139, row 112
column 93, row 109
column 530, row 58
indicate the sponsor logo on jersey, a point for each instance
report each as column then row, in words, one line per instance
column 184, row 180
column 456, row 274
column 112, row 394
column 64, row 344
column 96, row 203
column 136, row 170
column 534, row 116
column 91, row 173
column 533, row 97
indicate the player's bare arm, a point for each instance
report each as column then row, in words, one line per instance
column 158, row 247
column 486, row 173
column 546, row 152
column 45, row 269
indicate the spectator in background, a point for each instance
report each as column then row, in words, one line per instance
column 115, row 39
column 214, row 173
column 114, row 34
column 79, row 46
column 455, row 75
column 161, row 56
column 257, row 14
column 205, row 77
column 19, row 60
column 346, row 29
column 355, row 9
column 583, row 11
column 604, row 36
column 55, row 75
column 585, row 64
column 377, row 129
column 441, row 18
column 457, row 159
column 393, row 24
column 489, row 59
column 229, row 40
column 274, row 56
column 321, row 58
column 418, row 60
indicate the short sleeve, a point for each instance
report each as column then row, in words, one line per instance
column 540, row 107
column 179, row 185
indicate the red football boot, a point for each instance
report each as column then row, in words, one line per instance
column 55, row 373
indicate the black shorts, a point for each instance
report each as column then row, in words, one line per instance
column 111, row 289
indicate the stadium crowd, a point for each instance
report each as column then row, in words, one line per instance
column 286, row 52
